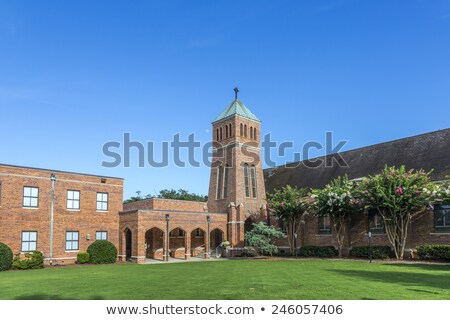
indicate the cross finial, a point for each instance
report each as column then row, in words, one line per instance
column 236, row 90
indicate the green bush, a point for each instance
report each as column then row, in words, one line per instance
column 101, row 252
column 32, row 260
column 378, row 252
column 6, row 257
column 318, row 251
column 438, row 252
column 83, row 257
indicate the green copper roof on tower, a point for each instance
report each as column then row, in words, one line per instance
column 236, row 108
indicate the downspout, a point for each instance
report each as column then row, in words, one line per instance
column 52, row 209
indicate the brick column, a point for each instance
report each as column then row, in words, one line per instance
column 139, row 247
column 187, row 246
column 231, row 225
column 240, row 226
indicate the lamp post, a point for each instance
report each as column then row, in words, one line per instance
column 369, row 235
column 52, row 209
column 167, row 237
column 208, row 219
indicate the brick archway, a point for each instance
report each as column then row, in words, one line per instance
column 154, row 243
column 177, row 243
column 198, row 243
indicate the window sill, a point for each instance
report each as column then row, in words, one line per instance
column 446, row 233
column 73, row 210
column 68, row 251
column 30, row 208
column 102, row 211
column 324, row 234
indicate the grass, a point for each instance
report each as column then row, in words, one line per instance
column 236, row 279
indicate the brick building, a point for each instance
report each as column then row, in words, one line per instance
column 85, row 209
column 430, row 151
column 88, row 207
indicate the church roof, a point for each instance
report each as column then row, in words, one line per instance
column 236, row 108
column 429, row 151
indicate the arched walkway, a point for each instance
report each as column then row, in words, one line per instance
column 177, row 243
column 216, row 237
column 154, row 244
column 198, row 243
column 128, row 244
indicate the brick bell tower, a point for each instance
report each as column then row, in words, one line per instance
column 237, row 183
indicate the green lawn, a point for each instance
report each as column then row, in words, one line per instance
column 236, row 279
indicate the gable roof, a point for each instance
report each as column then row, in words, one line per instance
column 236, row 108
column 426, row 151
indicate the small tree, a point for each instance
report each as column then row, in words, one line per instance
column 262, row 238
column 339, row 201
column 289, row 204
column 396, row 194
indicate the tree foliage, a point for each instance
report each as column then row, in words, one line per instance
column 262, row 238
column 396, row 194
column 289, row 204
column 338, row 200
column 179, row 194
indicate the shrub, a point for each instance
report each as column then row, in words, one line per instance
column 83, row 257
column 6, row 257
column 378, row 252
column 249, row 252
column 32, row 260
column 318, row 251
column 439, row 252
column 262, row 238
column 101, row 252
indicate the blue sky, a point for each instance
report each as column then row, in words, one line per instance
column 74, row 75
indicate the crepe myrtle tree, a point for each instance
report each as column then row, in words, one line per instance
column 339, row 200
column 396, row 194
column 289, row 204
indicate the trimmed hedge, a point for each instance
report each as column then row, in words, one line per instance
column 318, row 251
column 438, row 252
column 32, row 260
column 102, row 252
column 6, row 257
column 83, row 257
column 378, row 252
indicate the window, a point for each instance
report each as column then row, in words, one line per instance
column 73, row 199
column 376, row 222
column 442, row 218
column 225, row 183
column 251, row 132
column 230, row 130
column 101, row 235
column 29, row 241
column 217, row 133
column 283, row 226
column 181, row 233
column 30, row 197
column 220, row 130
column 254, row 133
column 253, row 173
column 219, row 182
column 324, row 225
column 245, row 131
column 102, row 201
column 226, row 131
column 71, row 240
column 247, row 190
column 241, row 131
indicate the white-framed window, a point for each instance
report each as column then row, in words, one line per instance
column 324, row 225
column 73, row 199
column 101, row 235
column 29, row 241
column 442, row 218
column 30, row 197
column 72, row 238
column 102, row 201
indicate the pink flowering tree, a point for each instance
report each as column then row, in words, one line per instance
column 339, row 200
column 289, row 204
column 397, row 194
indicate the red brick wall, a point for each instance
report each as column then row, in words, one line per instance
column 166, row 204
column 14, row 218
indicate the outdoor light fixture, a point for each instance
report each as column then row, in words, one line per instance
column 167, row 237
column 88, row 237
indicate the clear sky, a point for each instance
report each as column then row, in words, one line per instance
column 77, row 74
